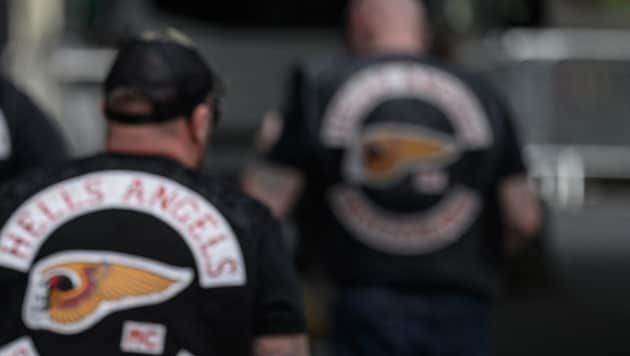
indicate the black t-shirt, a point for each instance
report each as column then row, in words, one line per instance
column 118, row 255
column 403, row 157
column 28, row 138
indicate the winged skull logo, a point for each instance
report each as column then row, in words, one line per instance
column 386, row 153
column 72, row 291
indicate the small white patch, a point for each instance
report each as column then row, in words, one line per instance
column 20, row 347
column 5, row 138
column 184, row 353
column 431, row 182
column 143, row 338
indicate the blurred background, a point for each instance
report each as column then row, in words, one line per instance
column 564, row 66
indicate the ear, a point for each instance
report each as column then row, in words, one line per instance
column 201, row 123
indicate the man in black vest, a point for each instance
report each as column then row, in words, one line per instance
column 416, row 180
column 134, row 251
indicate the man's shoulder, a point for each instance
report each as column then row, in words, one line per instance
column 30, row 181
column 475, row 83
column 321, row 63
column 480, row 82
column 156, row 172
column 228, row 193
column 322, row 69
column 238, row 207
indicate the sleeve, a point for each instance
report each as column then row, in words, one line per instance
column 12, row 282
column 291, row 148
column 36, row 140
column 279, row 300
column 511, row 161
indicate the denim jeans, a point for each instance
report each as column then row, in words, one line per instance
column 382, row 321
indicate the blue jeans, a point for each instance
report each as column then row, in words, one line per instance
column 381, row 321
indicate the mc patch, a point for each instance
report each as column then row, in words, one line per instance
column 143, row 338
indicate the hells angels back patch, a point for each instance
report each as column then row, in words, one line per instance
column 71, row 291
column 393, row 153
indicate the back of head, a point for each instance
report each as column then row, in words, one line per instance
column 161, row 75
column 161, row 98
column 387, row 25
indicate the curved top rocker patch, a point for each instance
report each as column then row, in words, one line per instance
column 369, row 88
column 214, row 246
column 69, row 292
column 382, row 155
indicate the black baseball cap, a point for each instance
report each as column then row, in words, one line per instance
column 167, row 70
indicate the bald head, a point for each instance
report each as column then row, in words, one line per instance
column 387, row 26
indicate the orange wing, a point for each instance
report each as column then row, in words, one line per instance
column 387, row 153
column 100, row 283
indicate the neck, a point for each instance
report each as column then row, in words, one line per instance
column 394, row 44
column 402, row 45
column 143, row 146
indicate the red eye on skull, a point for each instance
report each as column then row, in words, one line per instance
column 60, row 282
column 54, row 281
